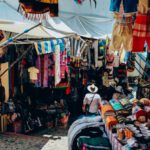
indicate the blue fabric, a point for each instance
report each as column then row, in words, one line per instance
column 127, row 56
column 46, row 47
column 53, row 46
column 39, row 47
column 129, row 5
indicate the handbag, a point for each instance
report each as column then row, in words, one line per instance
column 87, row 106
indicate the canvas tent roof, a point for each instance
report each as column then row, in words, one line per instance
column 13, row 21
column 85, row 20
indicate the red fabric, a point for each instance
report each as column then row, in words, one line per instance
column 68, row 90
column 141, row 113
column 138, row 43
column 141, row 33
column 142, row 26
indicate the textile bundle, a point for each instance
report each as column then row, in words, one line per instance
column 37, row 9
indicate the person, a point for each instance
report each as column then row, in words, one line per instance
column 92, row 100
column 74, row 102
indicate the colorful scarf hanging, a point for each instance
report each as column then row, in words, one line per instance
column 37, row 9
column 81, row 1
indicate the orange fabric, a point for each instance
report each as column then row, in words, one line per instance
column 128, row 133
column 105, row 109
column 111, row 121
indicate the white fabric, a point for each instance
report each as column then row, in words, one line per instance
column 57, row 65
column 95, row 103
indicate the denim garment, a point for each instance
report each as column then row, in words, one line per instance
column 128, row 5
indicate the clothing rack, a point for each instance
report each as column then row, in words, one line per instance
column 17, row 60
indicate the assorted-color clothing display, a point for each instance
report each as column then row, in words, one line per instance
column 126, row 123
column 52, row 62
column 131, row 25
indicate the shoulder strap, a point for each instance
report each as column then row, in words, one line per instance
column 92, row 100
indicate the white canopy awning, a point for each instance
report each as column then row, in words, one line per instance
column 13, row 21
column 85, row 19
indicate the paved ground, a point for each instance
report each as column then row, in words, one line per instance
column 57, row 140
column 21, row 142
column 49, row 139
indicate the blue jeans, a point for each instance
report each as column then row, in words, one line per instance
column 129, row 5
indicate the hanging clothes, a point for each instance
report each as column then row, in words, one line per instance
column 45, row 78
column 122, row 33
column 43, row 47
column 95, row 46
column 101, row 53
column 38, row 66
column 51, row 70
column 128, row 6
column 57, row 65
column 109, row 65
column 141, row 33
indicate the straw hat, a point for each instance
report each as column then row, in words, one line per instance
column 92, row 88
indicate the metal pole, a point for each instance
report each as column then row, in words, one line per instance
column 5, row 43
column 145, row 73
column 142, row 57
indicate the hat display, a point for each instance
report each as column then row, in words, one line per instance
column 141, row 113
column 145, row 101
column 92, row 88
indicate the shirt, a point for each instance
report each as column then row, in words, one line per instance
column 96, row 100
column 33, row 73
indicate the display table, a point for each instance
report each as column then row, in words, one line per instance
column 3, row 123
column 116, row 145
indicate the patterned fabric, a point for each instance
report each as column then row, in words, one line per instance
column 142, row 26
column 141, row 33
column 43, row 47
column 35, row 9
column 45, row 80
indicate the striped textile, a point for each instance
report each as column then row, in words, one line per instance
column 76, row 46
column 46, row 47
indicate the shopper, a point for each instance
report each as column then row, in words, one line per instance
column 91, row 101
